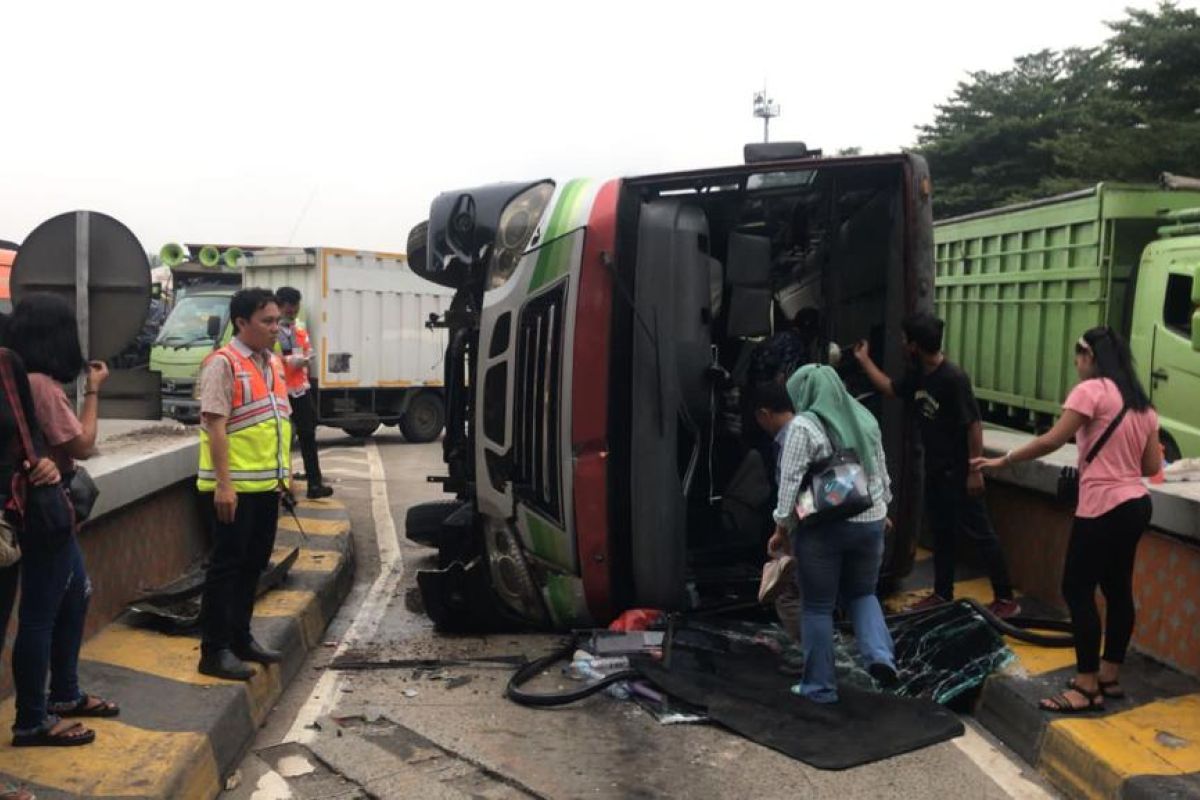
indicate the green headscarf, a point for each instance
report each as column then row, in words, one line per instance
column 816, row 389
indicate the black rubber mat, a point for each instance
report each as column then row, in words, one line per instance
column 738, row 681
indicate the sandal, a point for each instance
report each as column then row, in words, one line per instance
column 1110, row 689
column 72, row 735
column 87, row 706
column 1061, row 704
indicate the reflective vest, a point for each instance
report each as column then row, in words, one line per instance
column 297, row 377
column 257, row 428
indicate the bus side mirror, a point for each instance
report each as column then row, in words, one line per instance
column 461, row 231
column 214, row 327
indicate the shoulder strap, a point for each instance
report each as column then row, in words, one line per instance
column 1104, row 437
column 14, row 402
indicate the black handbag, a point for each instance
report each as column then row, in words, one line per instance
column 45, row 514
column 1068, row 477
column 83, row 491
column 833, row 488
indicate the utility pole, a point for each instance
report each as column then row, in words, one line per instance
column 765, row 107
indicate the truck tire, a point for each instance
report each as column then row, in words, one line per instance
column 423, row 522
column 424, row 419
column 361, row 430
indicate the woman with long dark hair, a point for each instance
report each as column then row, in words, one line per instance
column 55, row 588
column 1109, row 415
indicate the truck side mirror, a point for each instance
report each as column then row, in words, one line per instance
column 214, row 327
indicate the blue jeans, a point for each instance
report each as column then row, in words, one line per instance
column 839, row 558
column 54, row 600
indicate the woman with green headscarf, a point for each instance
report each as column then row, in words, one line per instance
column 840, row 557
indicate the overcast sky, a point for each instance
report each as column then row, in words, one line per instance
column 336, row 123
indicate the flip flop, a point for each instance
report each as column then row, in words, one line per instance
column 1061, row 704
column 64, row 738
column 87, row 706
column 1110, row 689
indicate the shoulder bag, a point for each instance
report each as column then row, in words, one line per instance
column 1068, row 478
column 46, row 518
column 834, row 488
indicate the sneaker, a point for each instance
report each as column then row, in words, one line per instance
column 884, row 674
column 930, row 601
column 1004, row 609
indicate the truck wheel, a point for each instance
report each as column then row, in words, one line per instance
column 424, row 419
column 361, row 430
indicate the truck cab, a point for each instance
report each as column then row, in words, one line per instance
column 1165, row 335
column 598, row 442
column 187, row 337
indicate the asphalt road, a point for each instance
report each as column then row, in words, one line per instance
column 450, row 733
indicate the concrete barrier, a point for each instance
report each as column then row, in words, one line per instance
column 1147, row 744
column 179, row 733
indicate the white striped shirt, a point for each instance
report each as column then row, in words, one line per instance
column 808, row 443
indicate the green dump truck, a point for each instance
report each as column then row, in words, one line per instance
column 1018, row 285
column 202, row 292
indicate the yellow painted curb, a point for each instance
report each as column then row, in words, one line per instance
column 124, row 761
column 302, row 605
column 315, row 527
column 175, row 658
column 323, row 504
column 1094, row 756
column 309, row 560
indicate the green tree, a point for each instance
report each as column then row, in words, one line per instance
column 1057, row 121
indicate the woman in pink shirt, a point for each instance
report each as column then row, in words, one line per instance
column 1113, row 510
column 55, row 587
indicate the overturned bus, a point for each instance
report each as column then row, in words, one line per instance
column 597, row 442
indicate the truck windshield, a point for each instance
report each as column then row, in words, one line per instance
column 188, row 322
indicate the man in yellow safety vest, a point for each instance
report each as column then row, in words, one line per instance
column 245, row 460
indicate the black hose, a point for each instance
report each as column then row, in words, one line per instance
column 1015, row 627
column 527, row 672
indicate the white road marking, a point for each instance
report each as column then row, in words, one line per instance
column 998, row 766
column 370, row 613
column 364, row 473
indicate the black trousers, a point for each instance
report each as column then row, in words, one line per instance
column 1101, row 553
column 304, row 418
column 9, row 578
column 949, row 510
column 241, row 551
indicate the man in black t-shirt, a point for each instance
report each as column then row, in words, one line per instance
column 940, row 394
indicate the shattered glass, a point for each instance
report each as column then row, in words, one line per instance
column 940, row 654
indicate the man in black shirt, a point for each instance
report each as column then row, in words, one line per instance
column 940, row 394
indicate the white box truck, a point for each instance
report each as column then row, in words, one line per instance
column 376, row 360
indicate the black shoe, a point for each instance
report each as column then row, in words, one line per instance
column 884, row 674
column 300, row 476
column 257, row 653
column 317, row 492
column 224, row 664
